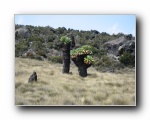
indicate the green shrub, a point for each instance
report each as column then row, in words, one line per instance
column 127, row 59
column 65, row 39
column 20, row 48
column 84, row 50
column 55, row 59
column 106, row 64
column 88, row 59
column 30, row 55
column 36, row 45
column 41, row 53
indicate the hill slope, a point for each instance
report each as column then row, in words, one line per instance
column 55, row 88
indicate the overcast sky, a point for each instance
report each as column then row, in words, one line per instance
column 103, row 23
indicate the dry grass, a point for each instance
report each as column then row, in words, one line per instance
column 55, row 88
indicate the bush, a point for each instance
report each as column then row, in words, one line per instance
column 20, row 48
column 84, row 50
column 127, row 59
column 88, row 59
column 36, row 45
column 65, row 40
column 30, row 55
column 106, row 64
column 55, row 59
column 41, row 53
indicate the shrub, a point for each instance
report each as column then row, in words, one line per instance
column 41, row 53
column 127, row 59
column 55, row 59
column 20, row 48
column 84, row 50
column 88, row 59
column 106, row 64
column 36, row 45
column 65, row 39
column 30, row 55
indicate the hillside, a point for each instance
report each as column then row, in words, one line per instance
column 110, row 52
column 55, row 88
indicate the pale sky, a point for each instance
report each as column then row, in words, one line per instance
column 103, row 23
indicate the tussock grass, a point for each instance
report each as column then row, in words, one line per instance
column 55, row 88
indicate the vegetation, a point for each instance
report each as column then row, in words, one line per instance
column 54, row 88
column 127, row 59
column 65, row 40
column 84, row 50
column 82, row 59
column 108, row 81
column 42, row 40
column 66, row 53
column 88, row 60
column 55, row 59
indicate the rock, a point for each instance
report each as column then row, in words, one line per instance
column 118, row 46
column 112, row 46
column 29, row 54
column 129, row 47
column 30, row 44
column 22, row 32
column 112, row 57
column 95, row 31
column 52, row 29
column 53, row 52
column 40, row 58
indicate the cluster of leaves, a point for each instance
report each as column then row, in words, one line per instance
column 65, row 40
column 84, row 50
column 88, row 60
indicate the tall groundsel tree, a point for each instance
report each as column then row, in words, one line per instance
column 66, row 41
column 82, row 57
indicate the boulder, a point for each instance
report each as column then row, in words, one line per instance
column 129, row 47
column 120, row 45
column 95, row 31
column 24, row 32
column 29, row 54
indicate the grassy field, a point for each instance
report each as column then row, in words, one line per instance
column 55, row 88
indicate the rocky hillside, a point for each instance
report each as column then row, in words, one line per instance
column 110, row 52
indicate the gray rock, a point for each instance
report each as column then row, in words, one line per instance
column 129, row 47
column 22, row 32
column 30, row 54
column 118, row 46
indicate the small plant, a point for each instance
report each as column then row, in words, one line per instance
column 88, row 60
column 73, row 53
column 65, row 39
column 86, row 47
column 84, row 50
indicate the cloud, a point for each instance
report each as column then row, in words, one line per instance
column 114, row 29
